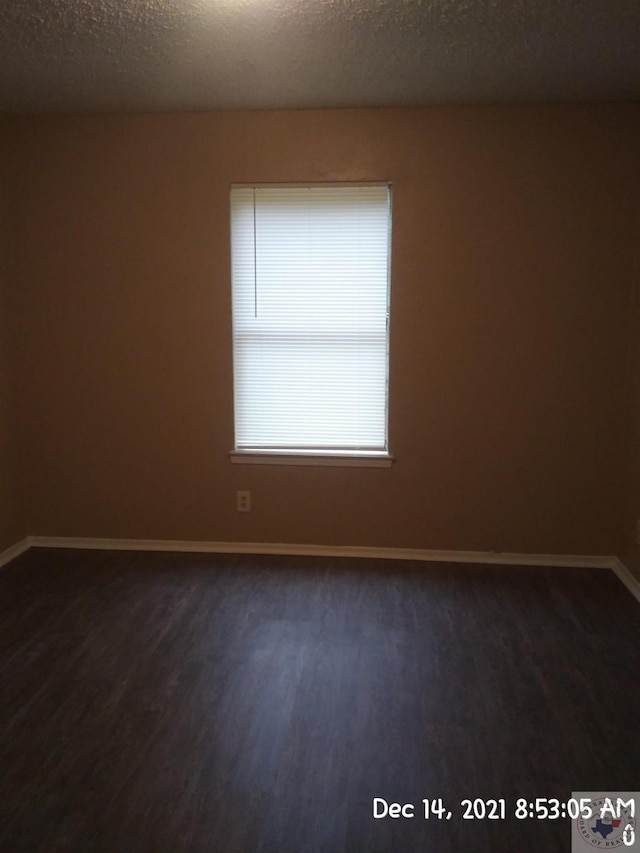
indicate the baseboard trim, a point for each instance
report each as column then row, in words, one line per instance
column 271, row 548
column 630, row 581
column 14, row 551
column 581, row 561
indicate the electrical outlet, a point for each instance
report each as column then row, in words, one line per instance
column 638, row 532
column 243, row 501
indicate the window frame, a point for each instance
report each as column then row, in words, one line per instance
column 352, row 457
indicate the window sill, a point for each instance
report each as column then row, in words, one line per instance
column 364, row 459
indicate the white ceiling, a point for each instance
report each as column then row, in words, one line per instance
column 167, row 55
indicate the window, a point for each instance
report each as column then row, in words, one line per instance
column 310, row 288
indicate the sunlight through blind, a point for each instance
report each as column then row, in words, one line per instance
column 310, row 278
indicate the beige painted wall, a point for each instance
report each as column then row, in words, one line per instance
column 11, row 530
column 630, row 548
column 510, row 280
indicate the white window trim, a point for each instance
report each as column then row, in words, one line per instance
column 351, row 458
column 347, row 459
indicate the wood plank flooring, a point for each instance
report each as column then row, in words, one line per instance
column 174, row 702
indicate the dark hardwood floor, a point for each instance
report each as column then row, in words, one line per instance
column 174, row 702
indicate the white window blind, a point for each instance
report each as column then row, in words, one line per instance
column 310, row 280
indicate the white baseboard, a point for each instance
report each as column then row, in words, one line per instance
column 585, row 561
column 485, row 557
column 14, row 551
column 630, row 581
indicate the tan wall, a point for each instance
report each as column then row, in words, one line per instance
column 511, row 268
column 630, row 547
column 11, row 530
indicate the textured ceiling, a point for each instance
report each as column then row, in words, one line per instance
column 149, row 55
